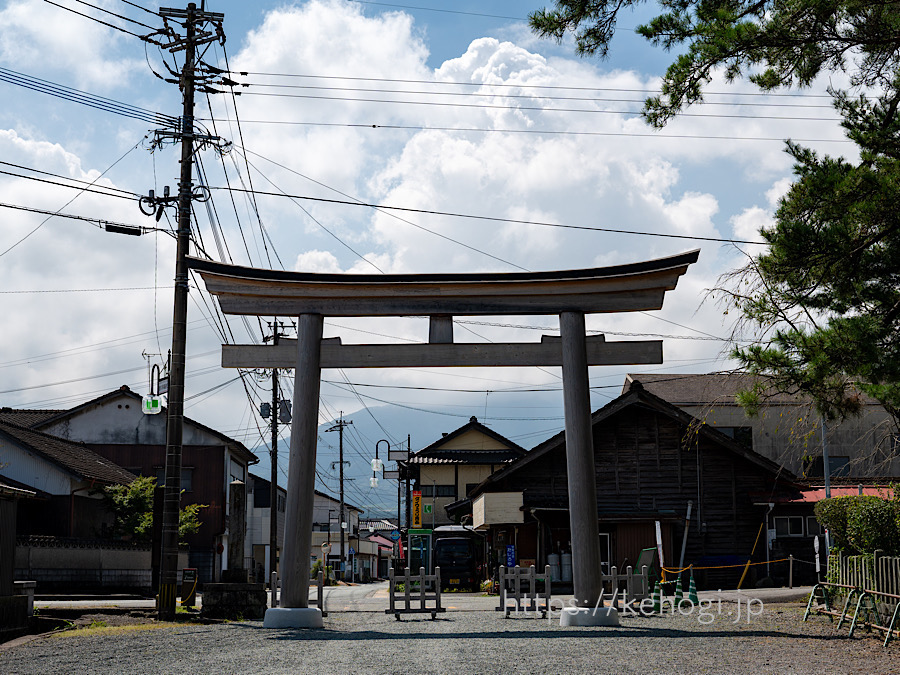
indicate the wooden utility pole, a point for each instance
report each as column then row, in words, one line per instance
column 193, row 21
column 273, row 476
column 339, row 427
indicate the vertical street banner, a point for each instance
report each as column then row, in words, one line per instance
column 417, row 509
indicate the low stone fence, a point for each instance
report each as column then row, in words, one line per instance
column 62, row 564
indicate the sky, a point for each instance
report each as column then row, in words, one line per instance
column 444, row 107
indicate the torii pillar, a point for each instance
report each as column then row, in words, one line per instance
column 570, row 294
column 294, row 610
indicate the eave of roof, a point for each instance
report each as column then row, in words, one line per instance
column 75, row 458
column 472, row 425
column 237, row 446
column 637, row 394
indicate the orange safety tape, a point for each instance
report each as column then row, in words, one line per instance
column 721, row 567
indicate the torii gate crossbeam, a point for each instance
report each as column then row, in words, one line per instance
column 570, row 294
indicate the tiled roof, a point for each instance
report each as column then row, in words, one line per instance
column 124, row 390
column 703, row 388
column 74, row 457
column 26, row 418
column 11, row 488
column 462, row 456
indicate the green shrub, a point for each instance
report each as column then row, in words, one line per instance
column 861, row 524
column 832, row 515
column 871, row 526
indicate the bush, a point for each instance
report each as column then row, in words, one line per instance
column 861, row 524
column 329, row 576
column 832, row 515
column 871, row 526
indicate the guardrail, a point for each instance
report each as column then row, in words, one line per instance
column 515, row 576
column 421, row 594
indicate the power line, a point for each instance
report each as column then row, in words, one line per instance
column 514, row 221
column 102, row 223
column 538, row 132
column 490, row 106
column 515, row 85
column 93, row 18
column 110, row 168
column 118, row 16
column 128, row 194
column 78, row 290
column 84, row 98
column 493, row 94
column 392, row 215
column 93, row 190
column 435, row 9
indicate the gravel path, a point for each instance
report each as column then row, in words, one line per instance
column 467, row 642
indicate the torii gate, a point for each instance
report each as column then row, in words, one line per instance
column 311, row 297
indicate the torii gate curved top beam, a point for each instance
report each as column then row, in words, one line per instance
column 618, row 288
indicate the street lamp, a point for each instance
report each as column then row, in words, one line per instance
column 377, row 464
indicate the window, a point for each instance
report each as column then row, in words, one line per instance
column 788, row 526
column 187, row 478
column 439, row 491
column 470, row 487
column 281, row 502
column 743, row 435
column 839, row 465
column 813, row 529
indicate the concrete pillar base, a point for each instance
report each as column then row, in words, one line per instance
column 293, row 617
column 588, row 616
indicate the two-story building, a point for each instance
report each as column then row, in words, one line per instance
column 115, row 427
column 787, row 430
column 448, row 469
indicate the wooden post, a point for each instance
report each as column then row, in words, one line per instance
column 582, row 478
column 790, row 571
column 302, row 467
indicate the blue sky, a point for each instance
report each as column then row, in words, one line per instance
column 474, row 115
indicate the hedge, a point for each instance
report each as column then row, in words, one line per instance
column 861, row 524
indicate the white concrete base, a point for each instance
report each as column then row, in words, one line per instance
column 293, row 617
column 588, row 616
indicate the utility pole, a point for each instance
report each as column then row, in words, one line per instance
column 196, row 24
column 273, row 476
column 273, row 457
column 339, row 427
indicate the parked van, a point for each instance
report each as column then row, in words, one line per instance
column 458, row 559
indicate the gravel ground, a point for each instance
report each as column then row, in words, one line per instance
column 776, row 641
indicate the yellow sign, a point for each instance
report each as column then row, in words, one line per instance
column 417, row 509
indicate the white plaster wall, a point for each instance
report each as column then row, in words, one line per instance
column 120, row 420
column 35, row 471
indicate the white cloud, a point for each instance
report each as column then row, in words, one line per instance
column 601, row 169
column 317, row 261
column 35, row 34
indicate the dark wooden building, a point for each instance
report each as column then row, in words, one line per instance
column 651, row 460
column 114, row 427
